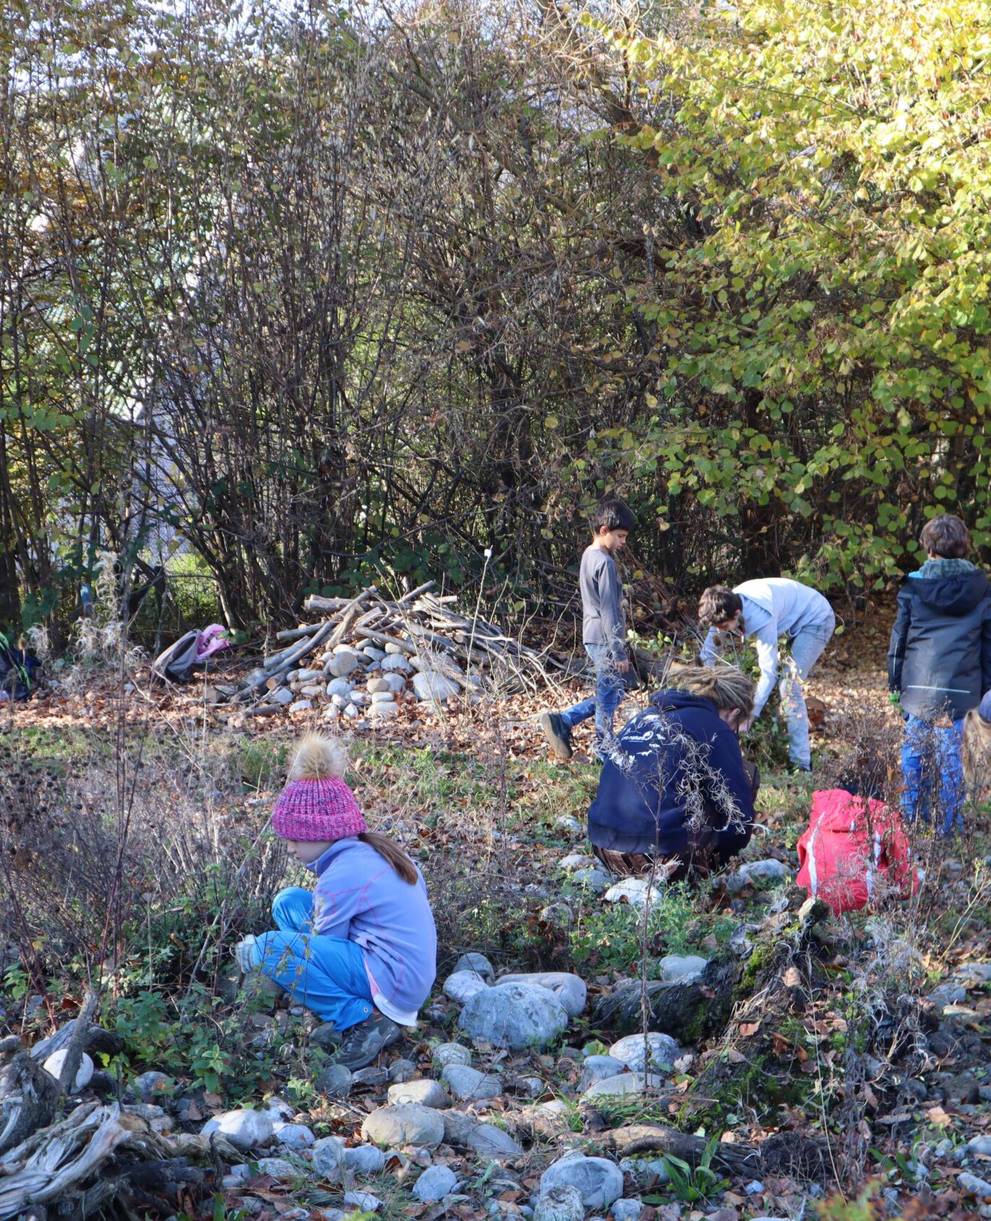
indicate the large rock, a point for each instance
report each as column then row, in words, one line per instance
column 489, row 1141
column 623, row 1085
column 364, row 1159
column 765, row 873
column 569, row 989
column 632, row 1051
column 473, row 961
column 396, row 663
column 342, row 664
column 425, row 1093
column 576, row 860
column 434, row 686
column 973, row 974
column 516, row 1016
column 406, row 1124
column 84, row 1073
column 243, row 1128
column 598, row 1068
column 597, row 1180
column 383, row 712
column 462, row 985
column 277, row 1168
column 563, row 1203
column 468, row 1084
column 294, row 1135
column 434, row 1184
column 329, row 1158
column 682, row 968
column 638, row 892
column 451, row 1053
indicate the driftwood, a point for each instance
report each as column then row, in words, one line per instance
column 421, row 624
column 28, row 1096
column 95, row 1154
column 788, row 1153
column 656, row 1138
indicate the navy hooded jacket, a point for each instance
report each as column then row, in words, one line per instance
column 939, row 656
column 674, row 784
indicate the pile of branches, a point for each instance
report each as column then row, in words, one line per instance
column 370, row 651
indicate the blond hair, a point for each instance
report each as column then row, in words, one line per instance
column 728, row 688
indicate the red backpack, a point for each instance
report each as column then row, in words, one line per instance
column 854, row 851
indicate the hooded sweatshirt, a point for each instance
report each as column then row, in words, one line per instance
column 939, row 656
column 359, row 897
column 674, row 784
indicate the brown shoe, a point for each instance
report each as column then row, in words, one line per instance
column 557, row 733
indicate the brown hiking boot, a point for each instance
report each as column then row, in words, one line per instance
column 557, row 733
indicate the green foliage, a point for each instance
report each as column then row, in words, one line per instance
column 203, row 1041
column 691, row 1183
column 611, row 937
column 824, row 322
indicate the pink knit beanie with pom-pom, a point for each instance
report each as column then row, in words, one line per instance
column 316, row 804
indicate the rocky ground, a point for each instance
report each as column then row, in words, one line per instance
column 591, row 1050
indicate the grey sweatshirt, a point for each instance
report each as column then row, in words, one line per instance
column 603, row 621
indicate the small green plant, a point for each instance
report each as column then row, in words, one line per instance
column 16, row 982
column 699, row 1183
column 611, row 938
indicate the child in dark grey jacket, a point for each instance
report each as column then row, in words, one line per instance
column 939, row 664
column 603, row 632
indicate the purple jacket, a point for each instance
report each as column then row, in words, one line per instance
column 359, row 897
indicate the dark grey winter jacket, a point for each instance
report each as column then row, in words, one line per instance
column 939, row 656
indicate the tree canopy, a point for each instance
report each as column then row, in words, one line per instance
column 306, row 292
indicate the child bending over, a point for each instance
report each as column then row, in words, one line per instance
column 360, row 950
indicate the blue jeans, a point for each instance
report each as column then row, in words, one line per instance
column 610, row 687
column 931, row 756
column 326, row 974
column 805, row 649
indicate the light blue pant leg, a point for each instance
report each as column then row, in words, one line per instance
column 806, row 649
column 917, row 747
column 951, row 788
column 610, row 687
column 326, row 974
column 931, row 759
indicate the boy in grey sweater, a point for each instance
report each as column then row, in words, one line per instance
column 603, row 632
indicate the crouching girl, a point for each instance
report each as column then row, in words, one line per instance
column 359, row 950
column 675, row 796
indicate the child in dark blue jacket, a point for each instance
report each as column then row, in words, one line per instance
column 675, row 789
column 939, row 665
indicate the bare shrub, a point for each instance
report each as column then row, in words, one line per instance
column 139, row 867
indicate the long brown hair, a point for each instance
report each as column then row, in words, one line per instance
column 390, row 850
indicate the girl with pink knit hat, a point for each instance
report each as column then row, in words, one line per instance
column 360, row 951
